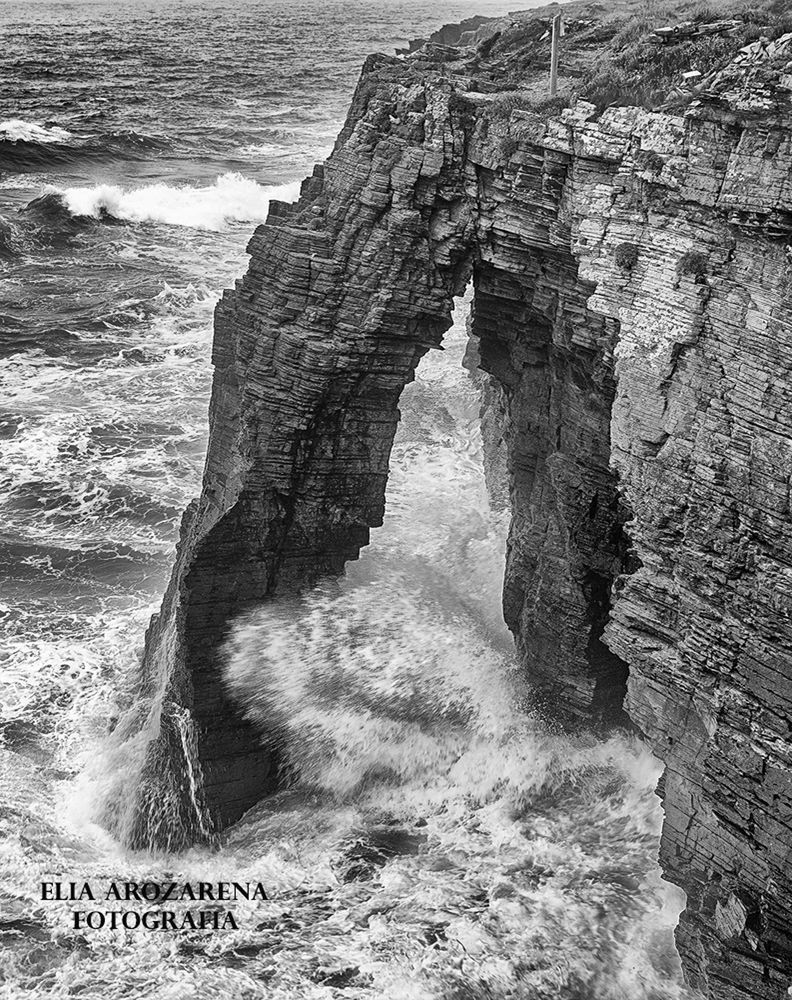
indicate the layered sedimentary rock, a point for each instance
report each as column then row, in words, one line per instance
column 346, row 291
column 632, row 310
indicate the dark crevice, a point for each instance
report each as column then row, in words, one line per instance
column 568, row 532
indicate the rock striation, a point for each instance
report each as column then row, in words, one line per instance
column 633, row 315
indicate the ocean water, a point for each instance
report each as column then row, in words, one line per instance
column 440, row 842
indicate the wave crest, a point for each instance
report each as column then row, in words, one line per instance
column 18, row 130
column 232, row 198
column 30, row 146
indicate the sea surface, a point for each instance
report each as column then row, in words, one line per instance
column 441, row 843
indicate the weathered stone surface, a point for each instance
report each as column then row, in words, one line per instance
column 345, row 292
column 632, row 309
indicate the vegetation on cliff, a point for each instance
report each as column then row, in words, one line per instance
column 610, row 55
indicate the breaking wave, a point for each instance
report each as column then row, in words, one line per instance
column 232, row 198
column 18, row 130
column 374, row 682
column 26, row 146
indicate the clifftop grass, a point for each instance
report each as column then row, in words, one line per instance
column 635, row 69
column 610, row 55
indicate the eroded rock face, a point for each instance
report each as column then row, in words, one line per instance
column 682, row 224
column 701, row 440
column 632, row 309
column 346, row 290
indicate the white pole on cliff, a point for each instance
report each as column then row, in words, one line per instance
column 557, row 26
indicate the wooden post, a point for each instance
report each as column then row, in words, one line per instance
column 557, row 24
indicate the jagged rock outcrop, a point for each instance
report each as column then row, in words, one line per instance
column 471, row 31
column 632, row 308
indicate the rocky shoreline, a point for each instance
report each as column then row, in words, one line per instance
column 631, row 271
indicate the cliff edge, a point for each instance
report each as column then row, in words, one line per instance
column 632, row 310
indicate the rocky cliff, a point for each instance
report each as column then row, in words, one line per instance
column 633, row 313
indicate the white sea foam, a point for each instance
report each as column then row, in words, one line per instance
column 96, row 458
column 269, row 149
column 232, row 198
column 18, row 130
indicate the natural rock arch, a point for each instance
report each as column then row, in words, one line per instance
column 345, row 292
column 627, row 385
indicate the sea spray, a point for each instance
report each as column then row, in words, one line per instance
column 375, row 680
column 146, row 787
